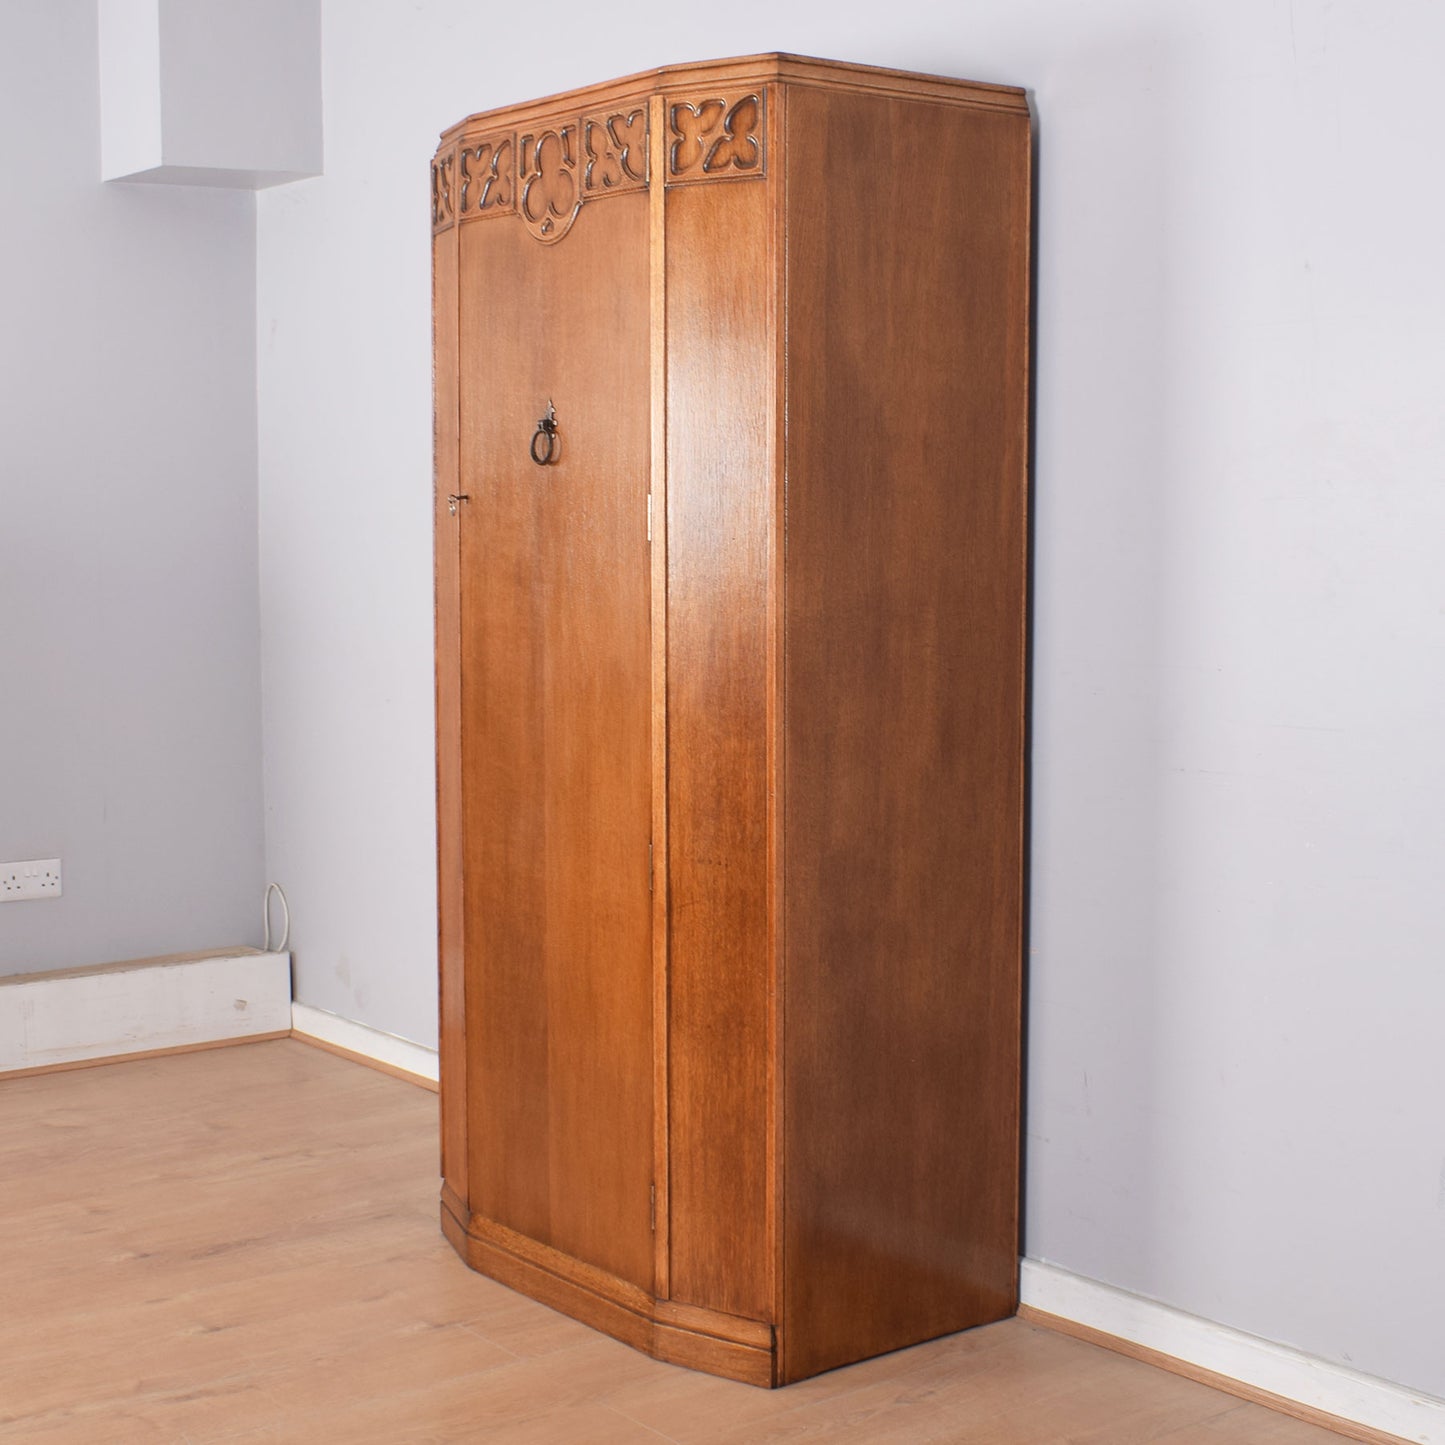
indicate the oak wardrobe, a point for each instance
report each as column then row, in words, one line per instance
column 731, row 420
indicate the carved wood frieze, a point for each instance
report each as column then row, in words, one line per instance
column 443, row 174
column 546, row 174
column 488, row 176
column 616, row 147
column 715, row 138
column 549, row 194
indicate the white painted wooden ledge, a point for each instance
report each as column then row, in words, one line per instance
column 388, row 1050
column 183, row 1000
column 1276, row 1369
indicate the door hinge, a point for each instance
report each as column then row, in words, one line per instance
column 649, row 516
column 649, row 865
column 652, row 1207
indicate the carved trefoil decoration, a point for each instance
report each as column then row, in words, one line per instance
column 544, row 175
column 489, row 176
column 716, row 138
column 549, row 189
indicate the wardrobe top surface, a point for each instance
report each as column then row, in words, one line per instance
column 753, row 70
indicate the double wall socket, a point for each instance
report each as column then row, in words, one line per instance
column 34, row 878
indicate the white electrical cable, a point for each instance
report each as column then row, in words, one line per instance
column 266, row 914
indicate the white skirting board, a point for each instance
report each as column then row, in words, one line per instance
column 179, row 1001
column 185, row 1000
column 369, row 1043
column 1320, row 1384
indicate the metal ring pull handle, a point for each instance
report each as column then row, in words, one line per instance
column 546, row 433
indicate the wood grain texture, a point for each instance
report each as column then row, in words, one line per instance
column 74, row 1064
column 777, row 102
column 131, row 965
column 447, row 517
column 659, row 852
column 811, row 319
column 555, row 667
column 907, row 285
column 263, row 1264
column 718, row 509
column 700, row 1339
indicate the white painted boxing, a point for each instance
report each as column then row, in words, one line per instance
column 75, row 1015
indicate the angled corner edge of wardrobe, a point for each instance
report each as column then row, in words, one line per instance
column 730, row 698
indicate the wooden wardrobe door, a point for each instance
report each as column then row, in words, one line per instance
column 555, row 703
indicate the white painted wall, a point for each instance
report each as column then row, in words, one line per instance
column 130, row 734
column 1236, row 1078
column 131, row 135
column 241, row 85
column 210, row 92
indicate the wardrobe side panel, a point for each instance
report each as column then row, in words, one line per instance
column 450, row 944
column 904, row 632
column 718, row 492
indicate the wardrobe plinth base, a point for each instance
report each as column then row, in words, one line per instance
column 700, row 1339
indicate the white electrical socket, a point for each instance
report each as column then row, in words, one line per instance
column 34, row 878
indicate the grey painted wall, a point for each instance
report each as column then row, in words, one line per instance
column 129, row 623
column 1235, row 1069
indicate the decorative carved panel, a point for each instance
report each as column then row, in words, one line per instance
column 443, row 174
column 547, row 174
column 549, row 187
column 489, row 176
column 715, row 138
column 616, row 152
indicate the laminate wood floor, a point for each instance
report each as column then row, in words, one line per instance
column 242, row 1245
